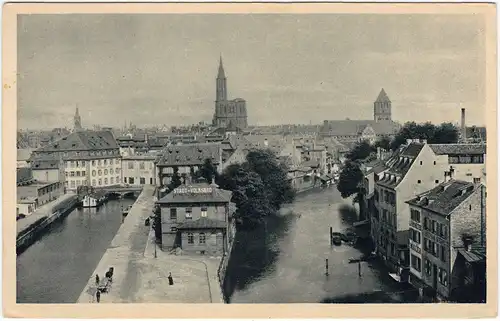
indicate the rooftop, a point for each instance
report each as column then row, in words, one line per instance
column 193, row 154
column 445, row 197
column 202, row 223
column 399, row 164
column 450, row 149
column 83, row 140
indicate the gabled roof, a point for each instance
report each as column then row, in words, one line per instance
column 399, row 164
column 445, row 197
column 217, row 196
column 83, row 140
column 450, row 149
column 382, row 97
column 195, row 154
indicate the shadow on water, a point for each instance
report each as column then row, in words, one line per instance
column 255, row 252
column 348, row 214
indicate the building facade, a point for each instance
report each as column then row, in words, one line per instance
column 197, row 219
column 444, row 220
column 89, row 158
column 139, row 170
column 228, row 112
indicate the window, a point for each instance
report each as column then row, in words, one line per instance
column 443, row 230
column 106, row 181
column 141, row 165
column 99, row 182
column 99, row 172
column 434, row 226
column 77, row 173
column 436, row 181
column 173, row 229
column 415, row 215
column 142, row 180
column 435, row 249
column 443, row 253
column 173, row 214
column 470, row 207
column 72, row 164
column 434, row 162
column 420, row 162
column 428, row 267
column 443, row 277
column 93, row 182
column 99, row 162
column 72, row 184
column 111, row 171
column 419, row 181
column 415, row 236
column 105, row 162
column 112, row 180
column 117, row 161
column 189, row 213
column 426, row 223
column 151, row 181
column 83, row 163
column 202, row 238
column 117, row 179
column 94, row 173
column 131, row 180
column 130, row 165
column 416, row 263
column 203, row 211
column 83, row 173
column 190, row 238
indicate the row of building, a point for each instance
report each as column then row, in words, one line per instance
column 426, row 205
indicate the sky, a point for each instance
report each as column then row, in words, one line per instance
column 161, row 69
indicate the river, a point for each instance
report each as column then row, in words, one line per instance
column 284, row 260
column 55, row 269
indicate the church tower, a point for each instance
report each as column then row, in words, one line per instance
column 221, row 86
column 382, row 107
column 77, row 121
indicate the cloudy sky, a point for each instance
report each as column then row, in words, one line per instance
column 161, row 69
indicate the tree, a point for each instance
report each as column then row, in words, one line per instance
column 446, row 133
column 349, row 179
column 208, row 171
column 176, row 180
column 157, row 223
column 383, row 142
column 360, row 151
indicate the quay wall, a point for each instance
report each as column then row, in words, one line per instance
column 28, row 236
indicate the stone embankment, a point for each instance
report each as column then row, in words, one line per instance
column 141, row 269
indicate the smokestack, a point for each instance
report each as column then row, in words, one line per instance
column 463, row 128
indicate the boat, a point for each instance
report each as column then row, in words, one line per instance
column 94, row 199
column 125, row 212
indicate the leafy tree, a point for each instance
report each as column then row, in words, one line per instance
column 208, row 171
column 383, row 142
column 349, row 179
column 360, row 151
column 176, row 180
column 445, row 133
column 157, row 223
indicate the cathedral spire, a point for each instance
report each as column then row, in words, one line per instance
column 221, row 74
column 77, row 120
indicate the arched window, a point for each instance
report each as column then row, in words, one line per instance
column 105, row 172
column 106, row 181
column 93, row 182
column 105, row 162
column 111, row 171
column 93, row 173
column 190, row 238
column 202, row 238
column 100, row 172
column 100, row 182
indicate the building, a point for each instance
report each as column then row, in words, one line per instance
column 228, row 112
column 138, row 170
column 35, row 194
column 77, row 121
column 359, row 130
column 90, row 158
column 465, row 161
column 198, row 219
column 446, row 222
column 23, row 156
column 48, row 170
column 187, row 159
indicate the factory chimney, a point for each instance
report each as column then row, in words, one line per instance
column 463, row 128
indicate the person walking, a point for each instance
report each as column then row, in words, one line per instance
column 170, row 279
column 98, row 296
column 97, row 279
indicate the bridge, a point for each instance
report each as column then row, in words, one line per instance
column 122, row 190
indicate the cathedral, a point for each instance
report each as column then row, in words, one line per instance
column 228, row 113
column 77, row 121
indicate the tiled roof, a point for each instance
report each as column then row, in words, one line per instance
column 445, row 197
column 44, row 164
column 474, row 255
column 202, row 223
column 399, row 164
column 274, row 142
column 218, row 195
column 382, row 97
column 83, row 140
column 355, row 127
column 194, row 154
column 447, row 149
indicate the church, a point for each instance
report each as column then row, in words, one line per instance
column 228, row 113
column 357, row 130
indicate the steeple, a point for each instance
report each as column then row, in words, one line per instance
column 77, row 120
column 221, row 86
column 221, row 73
column 382, row 97
column 382, row 107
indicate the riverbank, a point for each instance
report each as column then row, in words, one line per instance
column 30, row 228
column 140, row 276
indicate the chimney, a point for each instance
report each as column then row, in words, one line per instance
column 463, row 128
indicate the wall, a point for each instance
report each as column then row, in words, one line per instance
column 96, row 172
column 26, row 209
column 48, row 175
column 131, row 168
column 464, row 172
column 214, row 242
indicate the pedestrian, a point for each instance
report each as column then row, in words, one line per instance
column 359, row 268
column 97, row 279
column 98, row 296
column 170, row 279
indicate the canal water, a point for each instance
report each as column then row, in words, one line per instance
column 284, row 260
column 56, row 268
